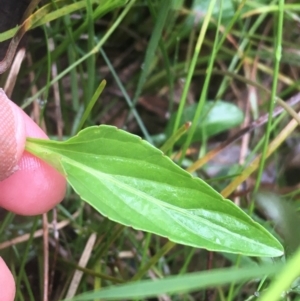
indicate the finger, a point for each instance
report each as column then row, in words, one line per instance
column 35, row 187
column 7, row 283
column 12, row 136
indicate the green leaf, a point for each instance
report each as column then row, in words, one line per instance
column 133, row 183
column 216, row 117
column 285, row 217
column 199, row 7
column 179, row 284
column 228, row 8
column 163, row 10
column 57, row 9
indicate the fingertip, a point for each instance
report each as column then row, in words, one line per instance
column 35, row 187
column 41, row 187
column 7, row 283
column 12, row 136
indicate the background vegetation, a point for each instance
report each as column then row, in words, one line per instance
column 219, row 64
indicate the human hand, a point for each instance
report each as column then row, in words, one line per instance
column 28, row 186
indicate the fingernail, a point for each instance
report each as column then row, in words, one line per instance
column 12, row 136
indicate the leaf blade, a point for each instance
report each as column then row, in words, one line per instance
column 133, row 183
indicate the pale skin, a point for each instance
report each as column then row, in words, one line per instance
column 30, row 186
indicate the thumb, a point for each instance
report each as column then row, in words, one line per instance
column 12, row 136
column 7, row 283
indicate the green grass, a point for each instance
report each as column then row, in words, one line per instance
column 157, row 58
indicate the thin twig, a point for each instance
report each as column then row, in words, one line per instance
column 46, row 256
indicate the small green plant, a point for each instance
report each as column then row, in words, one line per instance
column 165, row 59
